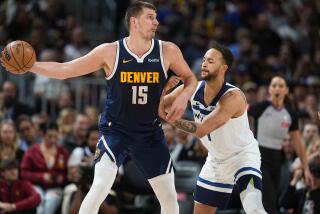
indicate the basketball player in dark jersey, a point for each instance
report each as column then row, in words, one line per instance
column 136, row 70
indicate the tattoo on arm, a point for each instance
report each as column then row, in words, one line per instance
column 185, row 125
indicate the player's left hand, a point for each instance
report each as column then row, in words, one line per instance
column 178, row 107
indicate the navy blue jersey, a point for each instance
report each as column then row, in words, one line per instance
column 134, row 89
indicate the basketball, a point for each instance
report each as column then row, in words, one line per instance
column 18, row 57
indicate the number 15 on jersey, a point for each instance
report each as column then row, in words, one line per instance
column 140, row 95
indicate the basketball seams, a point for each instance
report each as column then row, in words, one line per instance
column 32, row 55
column 22, row 54
column 25, row 66
column 7, row 62
column 12, row 54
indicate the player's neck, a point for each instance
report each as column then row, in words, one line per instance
column 212, row 88
column 138, row 45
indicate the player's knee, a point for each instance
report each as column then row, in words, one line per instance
column 164, row 188
column 169, row 195
column 252, row 202
column 250, row 194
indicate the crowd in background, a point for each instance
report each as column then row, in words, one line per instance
column 53, row 153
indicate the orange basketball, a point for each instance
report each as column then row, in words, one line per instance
column 18, row 57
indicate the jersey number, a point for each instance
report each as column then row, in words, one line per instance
column 139, row 95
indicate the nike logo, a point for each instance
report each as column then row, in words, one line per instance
column 126, row 61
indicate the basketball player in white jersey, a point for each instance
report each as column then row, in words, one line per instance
column 221, row 123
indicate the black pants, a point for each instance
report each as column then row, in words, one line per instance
column 271, row 169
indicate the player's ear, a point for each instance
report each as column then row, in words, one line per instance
column 224, row 68
column 133, row 21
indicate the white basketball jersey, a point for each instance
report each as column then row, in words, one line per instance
column 233, row 137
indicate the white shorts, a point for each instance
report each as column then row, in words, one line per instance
column 218, row 177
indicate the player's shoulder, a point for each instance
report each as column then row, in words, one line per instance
column 108, row 46
column 236, row 93
column 106, row 50
column 169, row 46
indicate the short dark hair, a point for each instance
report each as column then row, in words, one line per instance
column 135, row 9
column 225, row 51
column 21, row 119
column 49, row 126
column 92, row 128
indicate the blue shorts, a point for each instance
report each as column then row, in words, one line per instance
column 149, row 151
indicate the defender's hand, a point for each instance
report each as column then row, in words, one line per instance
column 172, row 82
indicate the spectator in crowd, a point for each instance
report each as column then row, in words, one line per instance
column 12, row 108
column 78, row 46
column 17, row 196
column 9, row 148
column 310, row 133
column 78, row 134
column 311, row 106
column 27, row 131
column 64, row 100
column 262, row 93
column 306, row 199
column 250, row 91
column 65, row 121
column 313, row 150
column 44, row 165
column 93, row 114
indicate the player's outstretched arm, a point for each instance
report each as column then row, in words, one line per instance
column 89, row 63
column 179, row 66
column 232, row 105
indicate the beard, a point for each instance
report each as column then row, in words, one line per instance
column 208, row 76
